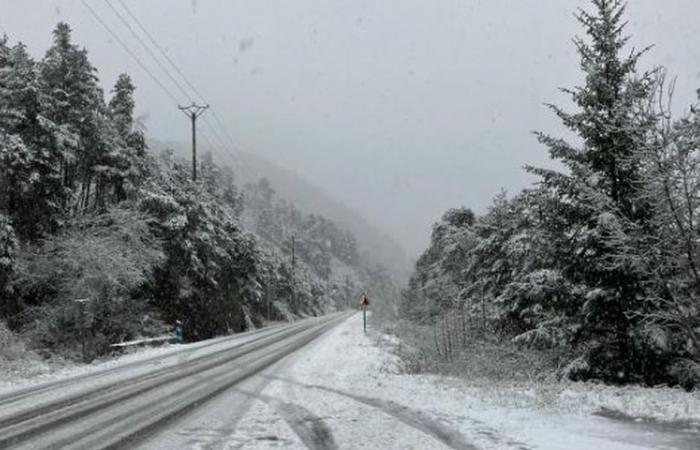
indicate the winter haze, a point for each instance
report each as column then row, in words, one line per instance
column 392, row 107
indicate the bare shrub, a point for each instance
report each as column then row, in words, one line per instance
column 11, row 348
column 454, row 347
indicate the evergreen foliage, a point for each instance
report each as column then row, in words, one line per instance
column 601, row 258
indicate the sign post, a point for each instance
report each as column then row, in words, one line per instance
column 364, row 319
column 83, row 321
column 364, row 303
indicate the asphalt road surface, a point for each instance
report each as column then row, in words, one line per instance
column 127, row 405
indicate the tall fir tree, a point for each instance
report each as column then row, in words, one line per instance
column 129, row 158
column 598, row 188
column 77, row 102
column 30, row 144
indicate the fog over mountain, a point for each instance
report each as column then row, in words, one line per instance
column 393, row 107
column 376, row 245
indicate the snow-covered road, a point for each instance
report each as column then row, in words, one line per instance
column 343, row 392
column 119, row 406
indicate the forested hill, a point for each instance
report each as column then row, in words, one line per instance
column 373, row 244
column 105, row 239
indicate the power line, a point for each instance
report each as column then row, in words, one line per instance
column 167, row 91
column 148, row 50
column 178, row 70
column 138, row 60
column 128, row 50
column 216, row 133
column 160, row 49
column 159, row 63
column 223, row 127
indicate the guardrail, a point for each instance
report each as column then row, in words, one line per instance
column 159, row 339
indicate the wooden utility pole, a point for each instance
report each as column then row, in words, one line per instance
column 293, row 269
column 193, row 111
column 293, row 252
column 483, row 308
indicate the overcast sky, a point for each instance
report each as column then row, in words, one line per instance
column 398, row 108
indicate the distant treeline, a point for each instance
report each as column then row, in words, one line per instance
column 87, row 213
column 601, row 259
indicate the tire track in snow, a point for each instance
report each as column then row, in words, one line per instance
column 204, row 438
column 311, row 429
column 415, row 419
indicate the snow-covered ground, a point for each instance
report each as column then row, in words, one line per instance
column 344, row 391
column 32, row 372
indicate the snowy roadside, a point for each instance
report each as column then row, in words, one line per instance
column 32, row 372
column 663, row 405
column 346, row 391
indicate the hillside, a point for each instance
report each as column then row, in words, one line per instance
column 375, row 245
column 105, row 240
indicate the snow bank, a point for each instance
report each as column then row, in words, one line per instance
column 659, row 404
column 486, row 372
column 16, row 362
column 32, row 372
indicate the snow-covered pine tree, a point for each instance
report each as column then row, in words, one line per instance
column 436, row 286
column 128, row 161
column 76, row 101
column 598, row 189
column 30, row 145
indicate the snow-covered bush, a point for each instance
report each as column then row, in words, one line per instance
column 686, row 372
column 103, row 260
column 16, row 359
column 11, row 347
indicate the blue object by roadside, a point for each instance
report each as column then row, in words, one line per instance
column 178, row 329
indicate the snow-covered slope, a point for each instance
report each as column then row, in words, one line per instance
column 377, row 245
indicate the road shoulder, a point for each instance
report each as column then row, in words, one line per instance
column 353, row 385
